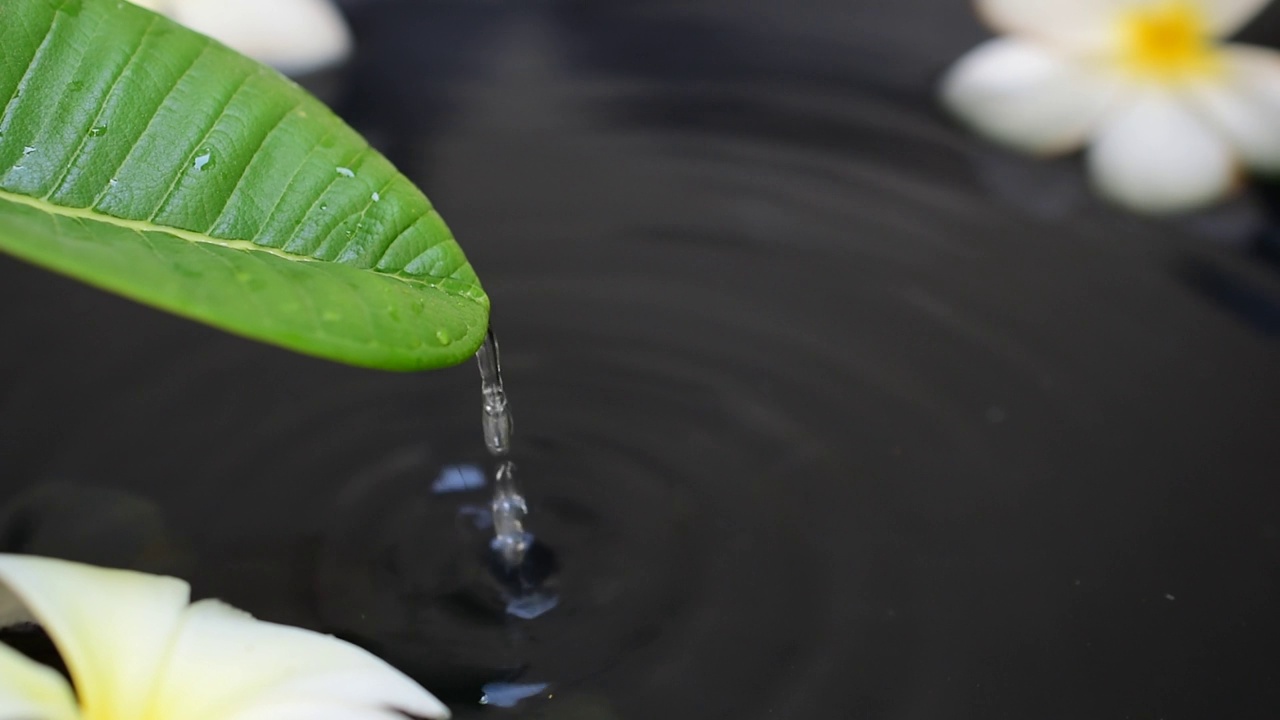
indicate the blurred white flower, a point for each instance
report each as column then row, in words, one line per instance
column 1168, row 111
column 137, row 650
column 294, row 36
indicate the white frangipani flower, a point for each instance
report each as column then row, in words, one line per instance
column 294, row 36
column 1169, row 112
column 137, row 650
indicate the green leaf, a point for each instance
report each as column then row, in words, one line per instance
column 149, row 160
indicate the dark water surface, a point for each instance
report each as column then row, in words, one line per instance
column 824, row 409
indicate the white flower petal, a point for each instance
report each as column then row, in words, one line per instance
column 153, row 5
column 1245, row 104
column 294, row 36
column 96, row 617
column 31, row 691
column 225, row 664
column 1156, row 155
column 1026, row 96
column 11, row 610
column 1225, row 17
column 1076, row 24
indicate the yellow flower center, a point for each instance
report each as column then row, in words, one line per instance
column 1168, row 41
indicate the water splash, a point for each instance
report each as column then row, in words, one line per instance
column 510, row 540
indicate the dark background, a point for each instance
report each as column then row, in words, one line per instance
column 824, row 407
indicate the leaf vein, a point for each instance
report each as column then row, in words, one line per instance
column 289, row 185
column 36, row 58
column 320, row 196
column 182, row 169
column 106, row 98
column 364, row 213
column 106, row 186
column 226, row 202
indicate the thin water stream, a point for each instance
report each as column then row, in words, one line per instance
column 511, row 540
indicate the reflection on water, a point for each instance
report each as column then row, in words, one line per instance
column 820, row 417
column 510, row 694
column 459, row 478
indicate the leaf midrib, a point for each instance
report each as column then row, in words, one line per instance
column 143, row 226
